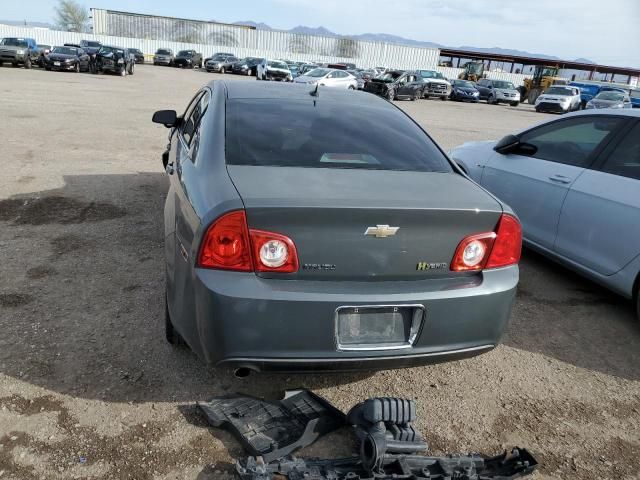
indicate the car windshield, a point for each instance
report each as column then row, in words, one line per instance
column 611, row 95
column 14, row 42
column 463, row 83
column 431, row 74
column 94, row 44
column 163, row 52
column 317, row 72
column 297, row 133
column 276, row 64
column 185, row 53
column 635, row 94
column 65, row 50
column 219, row 57
column 104, row 50
column 390, row 76
column 559, row 91
column 503, row 84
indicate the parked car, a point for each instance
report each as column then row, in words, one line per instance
column 276, row 70
column 19, row 51
column 342, row 212
column 164, row 56
column 91, row 47
column 294, row 69
column 220, row 63
column 246, row 66
column 634, row 95
column 328, row 77
column 137, row 55
column 464, row 91
column 188, row 59
column 437, row 85
column 498, row 91
column 67, row 58
column 307, row 67
column 219, row 55
column 397, row 84
column 610, row 99
column 574, row 184
column 559, row 99
column 43, row 51
column 359, row 78
column 115, row 60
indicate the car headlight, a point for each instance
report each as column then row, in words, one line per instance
column 20, row 52
column 121, row 60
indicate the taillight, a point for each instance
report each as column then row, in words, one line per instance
column 492, row 249
column 228, row 244
column 273, row 252
column 508, row 245
column 225, row 245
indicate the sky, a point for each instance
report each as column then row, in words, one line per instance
column 605, row 32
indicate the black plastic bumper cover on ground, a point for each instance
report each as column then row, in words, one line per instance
column 273, row 430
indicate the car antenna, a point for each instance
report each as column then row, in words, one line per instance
column 314, row 92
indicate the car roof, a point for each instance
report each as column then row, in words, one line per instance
column 237, row 89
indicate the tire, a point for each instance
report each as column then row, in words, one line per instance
column 416, row 95
column 514, row 104
column 390, row 95
column 222, row 70
column 426, row 96
column 132, row 68
column 170, row 333
column 538, row 110
column 48, row 69
column 533, row 96
column 14, row 65
column 351, row 87
column 248, row 72
column 444, row 99
column 77, row 67
column 123, row 71
column 27, row 62
column 491, row 100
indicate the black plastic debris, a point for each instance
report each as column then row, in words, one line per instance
column 383, row 425
column 508, row 466
column 272, row 430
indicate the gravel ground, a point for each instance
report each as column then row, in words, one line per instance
column 89, row 388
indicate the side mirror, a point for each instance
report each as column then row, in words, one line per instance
column 507, row 144
column 168, row 118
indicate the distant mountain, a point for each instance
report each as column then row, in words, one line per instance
column 388, row 38
column 22, row 23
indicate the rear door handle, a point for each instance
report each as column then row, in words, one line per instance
column 560, row 179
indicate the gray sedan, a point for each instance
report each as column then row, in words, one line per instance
column 326, row 230
column 575, row 184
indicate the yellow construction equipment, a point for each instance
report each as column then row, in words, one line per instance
column 543, row 77
column 472, row 71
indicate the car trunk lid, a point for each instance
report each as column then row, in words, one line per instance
column 342, row 220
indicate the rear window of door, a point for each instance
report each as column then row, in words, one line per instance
column 624, row 160
column 572, row 141
column 327, row 134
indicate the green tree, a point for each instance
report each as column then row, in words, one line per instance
column 71, row 16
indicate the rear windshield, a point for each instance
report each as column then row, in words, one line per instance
column 295, row 133
column 559, row 91
column 163, row 52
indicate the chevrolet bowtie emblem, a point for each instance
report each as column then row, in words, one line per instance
column 381, row 231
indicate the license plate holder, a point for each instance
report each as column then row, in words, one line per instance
column 378, row 327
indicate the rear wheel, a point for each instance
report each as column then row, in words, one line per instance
column 444, row 99
column 351, row 87
column 27, row 62
column 391, row 94
column 77, row 67
column 533, row 96
column 416, row 95
column 123, row 70
column 131, row 68
column 248, row 72
column 514, row 104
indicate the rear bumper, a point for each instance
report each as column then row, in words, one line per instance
column 243, row 320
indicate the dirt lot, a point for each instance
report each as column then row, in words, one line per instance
column 89, row 388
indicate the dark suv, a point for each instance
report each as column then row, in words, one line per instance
column 115, row 60
column 188, row 59
column 397, row 84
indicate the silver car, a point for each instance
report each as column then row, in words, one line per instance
column 559, row 99
column 610, row 99
column 498, row 91
column 575, row 184
column 328, row 77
